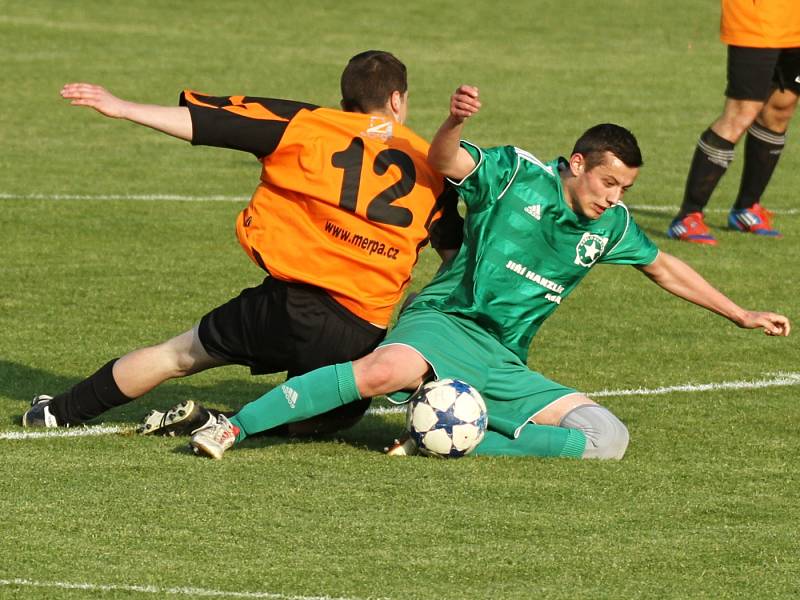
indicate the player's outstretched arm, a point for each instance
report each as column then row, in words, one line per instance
column 680, row 279
column 446, row 154
column 172, row 120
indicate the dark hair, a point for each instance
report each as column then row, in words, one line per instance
column 369, row 80
column 607, row 137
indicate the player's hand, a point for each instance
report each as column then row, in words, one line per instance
column 464, row 102
column 96, row 97
column 771, row 323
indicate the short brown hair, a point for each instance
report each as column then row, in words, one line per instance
column 607, row 137
column 369, row 80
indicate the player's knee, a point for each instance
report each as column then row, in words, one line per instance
column 738, row 116
column 375, row 377
column 183, row 355
column 776, row 118
column 389, row 369
column 181, row 364
column 606, row 436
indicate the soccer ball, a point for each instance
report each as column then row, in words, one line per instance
column 446, row 418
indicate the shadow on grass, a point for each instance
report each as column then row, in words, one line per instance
column 652, row 232
column 21, row 382
column 666, row 217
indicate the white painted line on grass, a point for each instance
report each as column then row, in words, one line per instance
column 777, row 379
column 151, row 589
column 781, row 379
column 726, row 210
column 64, row 433
column 136, row 197
column 227, row 198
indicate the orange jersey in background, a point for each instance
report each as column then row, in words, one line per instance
column 761, row 23
column 346, row 200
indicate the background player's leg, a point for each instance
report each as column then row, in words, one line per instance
column 711, row 159
column 714, row 152
column 764, row 144
column 750, row 76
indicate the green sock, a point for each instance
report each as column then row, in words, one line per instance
column 298, row 398
column 534, row 440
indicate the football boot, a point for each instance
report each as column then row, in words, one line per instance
column 182, row 419
column 39, row 415
column 755, row 219
column 691, row 228
column 215, row 438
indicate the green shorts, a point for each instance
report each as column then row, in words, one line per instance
column 459, row 349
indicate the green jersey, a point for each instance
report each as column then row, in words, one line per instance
column 524, row 249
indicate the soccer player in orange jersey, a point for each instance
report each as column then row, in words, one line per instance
column 763, row 38
column 345, row 203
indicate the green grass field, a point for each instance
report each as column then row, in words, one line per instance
column 93, row 264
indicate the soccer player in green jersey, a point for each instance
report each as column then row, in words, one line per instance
column 532, row 232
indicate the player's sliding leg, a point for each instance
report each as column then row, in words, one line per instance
column 571, row 426
column 544, row 436
column 183, row 418
column 534, row 440
column 606, row 436
column 121, row 380
column 298, row 398
column 387, row 369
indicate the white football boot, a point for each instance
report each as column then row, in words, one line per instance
column 213, row 439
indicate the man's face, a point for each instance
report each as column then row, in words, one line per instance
column 601, row 187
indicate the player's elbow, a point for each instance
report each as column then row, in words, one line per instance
column 440, row 161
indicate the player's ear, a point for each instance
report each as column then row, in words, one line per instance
column 577, row 164
column 396, row 101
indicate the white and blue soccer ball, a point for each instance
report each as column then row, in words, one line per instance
column 446, row 418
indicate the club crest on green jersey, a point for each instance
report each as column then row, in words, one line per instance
column 589, row 249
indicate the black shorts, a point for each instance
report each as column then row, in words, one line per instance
column 280, row 326
column 754, row 72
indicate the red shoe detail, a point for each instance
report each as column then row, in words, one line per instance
column 756, row 219
column 691, row 228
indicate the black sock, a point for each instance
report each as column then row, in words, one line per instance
column 91, row 397
column 762, row 150
column 711, row 159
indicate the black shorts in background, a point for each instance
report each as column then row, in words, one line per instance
column 279, row 326
column 754, row 72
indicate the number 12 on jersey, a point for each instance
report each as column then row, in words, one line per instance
column 379, row 208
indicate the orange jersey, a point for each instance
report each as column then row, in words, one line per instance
column 761, row 23
column 346, row 200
